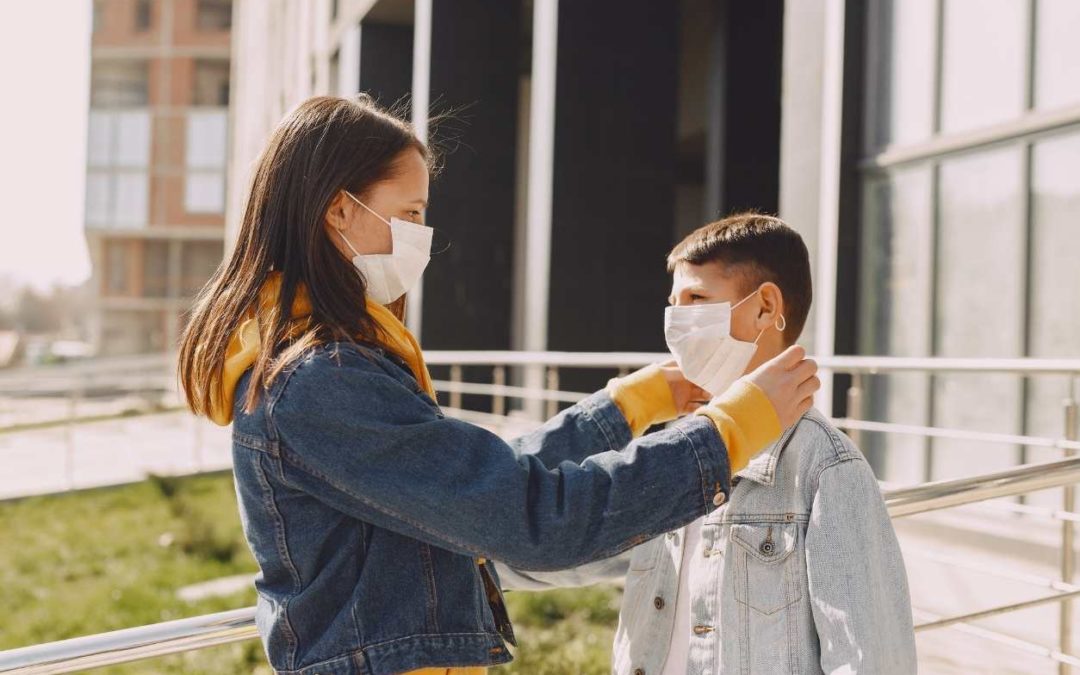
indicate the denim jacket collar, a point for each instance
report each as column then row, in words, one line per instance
column 762, row 468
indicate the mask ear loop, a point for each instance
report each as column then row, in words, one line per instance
column 341, row 233
column 347, row 242
column 369, row 209
column 444, row 249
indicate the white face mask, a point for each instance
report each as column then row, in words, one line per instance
column 391, row 275
column 699, row 337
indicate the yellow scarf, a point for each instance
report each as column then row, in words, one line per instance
column 245, row 343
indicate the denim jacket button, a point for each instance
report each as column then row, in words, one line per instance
column 719, row 498
column 658, row 602
column 768, row 548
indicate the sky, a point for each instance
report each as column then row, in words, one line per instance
column 44, row 75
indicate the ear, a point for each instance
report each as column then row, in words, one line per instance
column 771, row 309
column 336, row 214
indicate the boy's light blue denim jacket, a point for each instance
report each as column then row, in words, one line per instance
column 799, row 572
column 367, row 509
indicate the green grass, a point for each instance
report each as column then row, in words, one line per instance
column 112, row 558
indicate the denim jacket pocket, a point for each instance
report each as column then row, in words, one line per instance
column 766, row 572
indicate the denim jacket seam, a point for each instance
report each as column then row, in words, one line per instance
column 406, row 638
column 701, row 469
column 595, row 413
column 281, row 544
column 825, row 466
column 837, row 446
column 272, row 401
column 723, row 469
column 432, row 589
column 351, row 655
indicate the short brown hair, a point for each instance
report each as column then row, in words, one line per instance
column 758, row 248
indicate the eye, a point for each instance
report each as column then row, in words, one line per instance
column 694, row 297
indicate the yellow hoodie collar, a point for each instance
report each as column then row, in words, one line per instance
column 246, row 342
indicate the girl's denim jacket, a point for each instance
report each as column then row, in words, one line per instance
column 367, row 510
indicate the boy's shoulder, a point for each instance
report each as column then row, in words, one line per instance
column 813, row 444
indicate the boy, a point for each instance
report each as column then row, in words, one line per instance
column 800, row 571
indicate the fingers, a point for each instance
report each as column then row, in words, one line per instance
column 791, row 356
column 803, row 407
column 805, row 370
column 808, row 387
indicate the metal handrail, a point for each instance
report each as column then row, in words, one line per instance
column 209, row 630
column 132, row 644
column 845, row 364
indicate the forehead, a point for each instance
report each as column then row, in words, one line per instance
column 409, row 179
column 711, row 277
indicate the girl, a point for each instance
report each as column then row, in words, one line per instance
column 372, row 516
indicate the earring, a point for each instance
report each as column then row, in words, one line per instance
column 781, row 323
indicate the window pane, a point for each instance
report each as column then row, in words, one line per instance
column 132, row 140
column 116, row 265
column 97, row 198
column 132, row 199
column 894, row 314
column 214, row 15
column 901, row 86
column 155, row 269
column 119, row 83
column 200, row 260
column 980, row 265
column 1055, row 308
column 98, row 15
column 204, row 193
column 99, row 139
column 1057, row 53
column 206, row 140
column 144, row 12
column 984, row 63
column 211, row 83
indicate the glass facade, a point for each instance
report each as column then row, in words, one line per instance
column 206, row 149
column 969, row 227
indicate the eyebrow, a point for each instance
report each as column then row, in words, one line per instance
column 422, row 202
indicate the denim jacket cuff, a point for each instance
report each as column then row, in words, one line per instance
column 601, row 409
column 712, row 458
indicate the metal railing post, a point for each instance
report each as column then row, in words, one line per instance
column 69, row 435
column 498, row 378
column 1068, row 533
column 552, row 407
column 456, row 378
column 855, row 406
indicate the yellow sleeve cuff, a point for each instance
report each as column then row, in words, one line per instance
column 644, row 398
column 746, row 420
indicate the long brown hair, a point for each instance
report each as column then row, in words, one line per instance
column 327, row 144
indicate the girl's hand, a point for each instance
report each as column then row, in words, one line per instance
column 688, row 396
column 790, row 381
